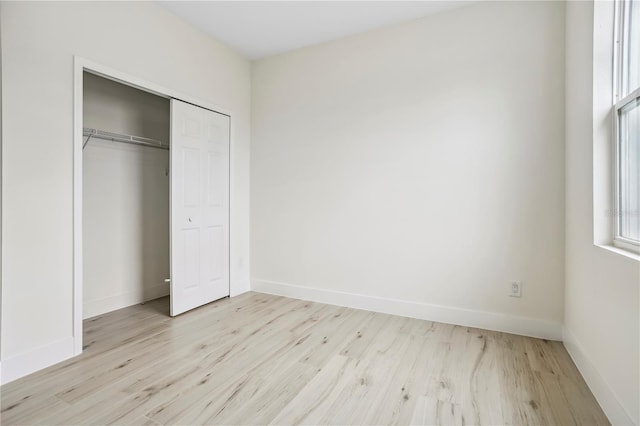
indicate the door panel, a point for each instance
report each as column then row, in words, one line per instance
column 191, row 257
column 215, row 239
column 199, row 206
column 191, row 181
column 216, row 180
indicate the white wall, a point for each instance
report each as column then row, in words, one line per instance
column 602, row 310
column 422, row 162
column 126, row 198
column 1, row 174
column 38, row 43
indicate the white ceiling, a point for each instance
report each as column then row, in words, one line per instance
column 263, row 28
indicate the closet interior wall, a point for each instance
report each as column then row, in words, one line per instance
column 125, row 198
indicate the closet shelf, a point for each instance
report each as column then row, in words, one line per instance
column 117, row 137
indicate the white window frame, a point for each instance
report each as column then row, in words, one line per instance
column 619, row 102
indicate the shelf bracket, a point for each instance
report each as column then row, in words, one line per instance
column 86, row 142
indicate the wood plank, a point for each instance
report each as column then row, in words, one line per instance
column 261, row 359
column 431, row 411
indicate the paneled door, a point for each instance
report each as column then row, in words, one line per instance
column 199, row 206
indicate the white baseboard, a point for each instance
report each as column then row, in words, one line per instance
column 599, row 387
column 29, row 362
column 524, row 326
column 92, row 308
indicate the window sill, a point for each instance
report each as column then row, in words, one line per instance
column 623, row 252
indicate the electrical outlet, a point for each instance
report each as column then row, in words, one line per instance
column 516, row 289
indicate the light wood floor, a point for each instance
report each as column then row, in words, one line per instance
column 259, row 359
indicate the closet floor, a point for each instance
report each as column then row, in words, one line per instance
column 259, row 359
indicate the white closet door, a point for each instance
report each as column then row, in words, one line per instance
column 199, row 206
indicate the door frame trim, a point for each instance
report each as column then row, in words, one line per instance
column 80, row 65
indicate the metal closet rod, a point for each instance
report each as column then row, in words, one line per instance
column 117, row 137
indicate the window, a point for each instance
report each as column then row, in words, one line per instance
column 627, row 124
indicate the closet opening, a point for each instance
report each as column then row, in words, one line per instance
column 151, row 197
column 125, row 196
